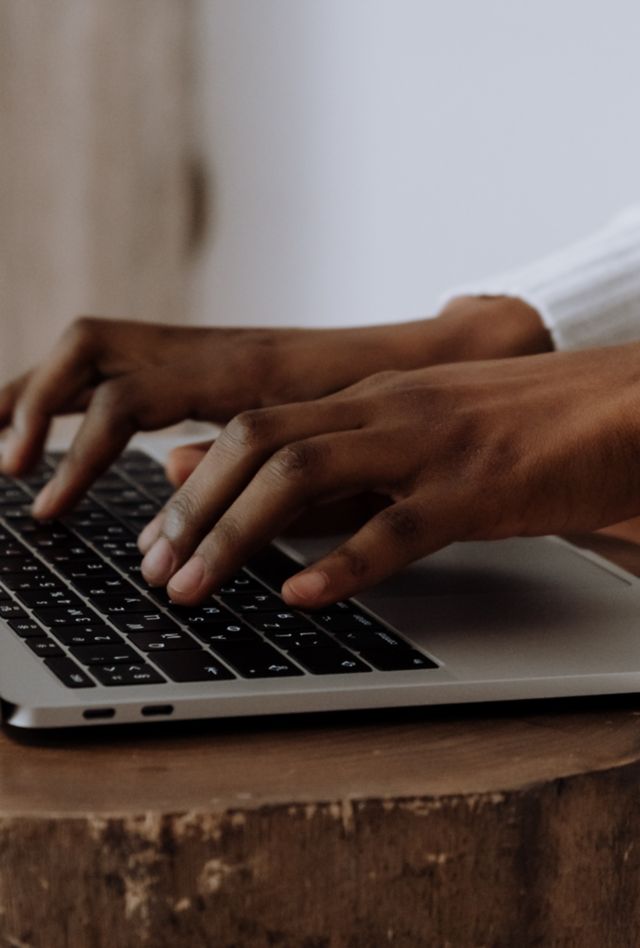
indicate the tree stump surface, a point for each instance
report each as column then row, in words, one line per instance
column 501, row 826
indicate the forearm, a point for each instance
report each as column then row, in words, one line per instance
column 312, row 363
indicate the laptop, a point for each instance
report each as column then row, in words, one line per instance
column 85, row 642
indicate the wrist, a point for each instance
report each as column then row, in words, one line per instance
column 493, row 327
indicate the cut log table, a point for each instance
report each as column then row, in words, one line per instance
column 504, row 826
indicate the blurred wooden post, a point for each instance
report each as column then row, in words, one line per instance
column 94, row 165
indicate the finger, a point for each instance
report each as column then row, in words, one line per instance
column 182, row 461
column 299, row 473
column 49, row 390
column 118, row 409
column 180, row 464
column 229, row 465
column 105, row 431
column 8, row 396
column 331, row 516
column 392, row 539
column 151, row 532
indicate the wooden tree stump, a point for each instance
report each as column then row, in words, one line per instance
column 506, row 826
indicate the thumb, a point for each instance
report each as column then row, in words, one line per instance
column 182, row 461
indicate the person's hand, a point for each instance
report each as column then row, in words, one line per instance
column 130, row 376
column 525, row 446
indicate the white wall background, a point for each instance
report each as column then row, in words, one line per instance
column 368, row 154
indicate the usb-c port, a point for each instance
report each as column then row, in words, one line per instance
column 157, row 710
column 92, row 713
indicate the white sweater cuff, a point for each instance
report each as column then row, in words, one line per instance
column 587, row 294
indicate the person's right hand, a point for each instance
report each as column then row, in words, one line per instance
column 132, row 376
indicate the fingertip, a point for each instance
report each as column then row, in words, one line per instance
column 183, row 460
column 150, row 534
column 186, row 586
column 42, row 507
column 308, row 588
column 12, row 453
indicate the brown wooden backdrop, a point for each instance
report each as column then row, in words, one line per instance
column 94, row 165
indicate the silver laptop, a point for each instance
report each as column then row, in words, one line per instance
column 86, row 642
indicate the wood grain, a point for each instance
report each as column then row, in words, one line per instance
column 94, row 166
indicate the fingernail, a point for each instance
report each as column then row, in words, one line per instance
column 159, row 563
column 188, row 580
column 43, row 501
column 307, row 586
column 150, row 534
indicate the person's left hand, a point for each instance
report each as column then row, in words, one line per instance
column 525, row 446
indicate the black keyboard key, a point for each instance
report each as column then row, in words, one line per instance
column 133, row 674
column 105, row 654
column 255, row 603
column 370, row 638
column 342, row 620
column 192, row 666
column 11, row 610
column 96, row 586
column 59, row 597
column 131, row 566
column 20, row 565
column 86, row 635
column 300, row 638
column 12, row 549
column 85, row 569
column 198, row 617
column 112, row 605
column 44, row 647
column 396, row 659
column 17, row 513
column 88, row 520
column 146, row 508
column 38, row 581
column 117, row 493
column 118, row 549
column 241, row 584
column 66, row 616
column 162, row 641
column 144, row 622
column 273, row 567
column 256, row 661
column 280, row 621
column 108, row 480
column 26, row 628
column 13, row 494
column 226, row 632
column 329, row 661
column 69, row 673
column 108, row 531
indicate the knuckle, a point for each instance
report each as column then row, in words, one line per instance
column 403, row 523
column 295, row 461
column 181, row 511
column 227, row 533
column 354, row 561
column 114, row 398
column 249, row 429
column 82, row 331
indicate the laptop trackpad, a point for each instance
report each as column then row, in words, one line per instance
column 524, row 566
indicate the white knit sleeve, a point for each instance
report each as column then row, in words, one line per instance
column 587, row 294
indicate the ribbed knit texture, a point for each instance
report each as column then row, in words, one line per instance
column 587, row 294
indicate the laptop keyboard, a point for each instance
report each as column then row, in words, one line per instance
column 73, row 591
